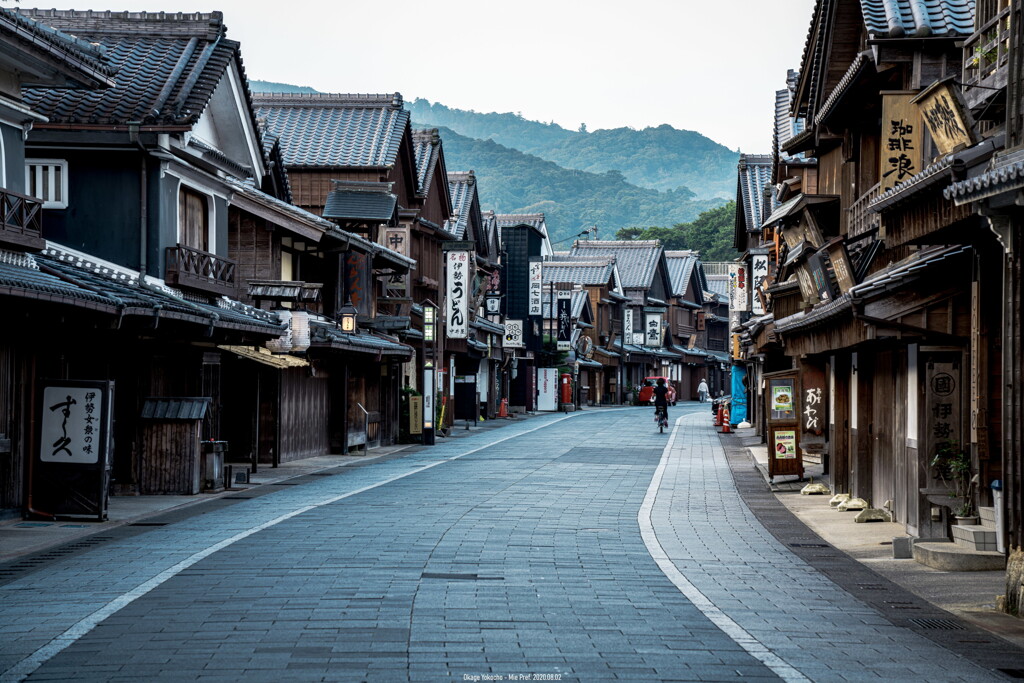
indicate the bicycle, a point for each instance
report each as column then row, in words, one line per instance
column 661, row 417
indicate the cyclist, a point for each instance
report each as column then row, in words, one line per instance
column 661, row 398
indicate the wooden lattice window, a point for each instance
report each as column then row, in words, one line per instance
column 47, row 179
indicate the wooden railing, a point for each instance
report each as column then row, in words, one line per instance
column 858, row 219
column 986, row 57
column 195, row 269
column 22, row 220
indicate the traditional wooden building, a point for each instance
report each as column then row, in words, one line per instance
column 647, row 285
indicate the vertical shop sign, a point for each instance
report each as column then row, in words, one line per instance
column 900, row 157
column 758, row 273
column 653, row 330
column 536, row 288
column 563, row 321
column 458, row 294
column 738, row 287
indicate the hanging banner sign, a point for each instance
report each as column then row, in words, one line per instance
column 563, row 322
column 627, row 326
column 397, row 239
column 536, row 288
column 652, row 330
column 738, row 287
column 758, row 273
column 901, row 140
column 948, row 120
column 458, row 294
column 513, row 334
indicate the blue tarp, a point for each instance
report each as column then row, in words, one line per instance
column 738, row 407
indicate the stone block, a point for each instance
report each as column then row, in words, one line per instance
column 903, row 548
column 813, row 489
column 853, row 504
column 838, row 498
column 872, row 515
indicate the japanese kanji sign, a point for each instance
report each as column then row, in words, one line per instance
column 942, row 396
column 563, row 321
column 739, row 289
column 397, row 239
column 627, row 326
column 758, row 272
column 536, row 288
column 652, row 330
column 900, row 157
column 946, row 117
column 458, row 294
column 73, row 425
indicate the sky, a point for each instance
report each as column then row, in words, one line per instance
column 712, row 66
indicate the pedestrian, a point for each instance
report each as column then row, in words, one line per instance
column 702, row 390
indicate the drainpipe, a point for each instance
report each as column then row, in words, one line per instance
column 133, row 134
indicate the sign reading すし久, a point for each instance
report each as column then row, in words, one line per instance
column 536, row 288
column 73, row 428
column 458, row 294
column 563, row 321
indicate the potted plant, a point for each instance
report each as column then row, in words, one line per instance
column 628, row 396
column 953, row 467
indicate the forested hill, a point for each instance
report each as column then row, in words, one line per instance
column 513, row 182
column 663, row 158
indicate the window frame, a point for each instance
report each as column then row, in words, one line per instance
column 48, row 203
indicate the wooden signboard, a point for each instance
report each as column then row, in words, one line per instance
column 948, row 120
column 901, row 140
column 840, row 260
column 783, row 420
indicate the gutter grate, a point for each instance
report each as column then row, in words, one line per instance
column 809, row 545
column 938, row 624
column 149, row 524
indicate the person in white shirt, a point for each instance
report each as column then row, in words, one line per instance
column 702, row 391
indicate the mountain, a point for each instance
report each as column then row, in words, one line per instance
column 662, row 158
column 511, row 181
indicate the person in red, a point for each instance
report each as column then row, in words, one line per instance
column 661, row 397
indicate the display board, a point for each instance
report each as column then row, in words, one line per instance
column 783, row 424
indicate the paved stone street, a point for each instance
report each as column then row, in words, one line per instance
column 563, row 547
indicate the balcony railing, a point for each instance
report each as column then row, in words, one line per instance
column 859, row 219
column 194, row 269
column 986, row 57
column 22, row 221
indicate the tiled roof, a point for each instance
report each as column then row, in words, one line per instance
column 308, row 219
column 324, row 130
column 535, row 220
column 167, row 66
column 84, row 64
column 1006, row 174
column 719, row 284
column 637, row 261
column 69, row 278
column 583, row 272
column 325, row 334
column 930, row 176
column 918, row 18
column 462, row 188
column 861, row 63
column 787, row 126
column 361, row 201
column 754, row 176
column 426, row 145
column 681, row 266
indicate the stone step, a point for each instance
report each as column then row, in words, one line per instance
column 974, row 536
column 988, row 516
column 949, row 556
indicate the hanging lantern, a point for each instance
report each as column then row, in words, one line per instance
column 300, row 331
column 283, row 344
column 348, row 317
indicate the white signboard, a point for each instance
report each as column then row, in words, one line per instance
column 547, row 388
column 72, row 425
column 627, row 326
column 639, row 338
column 458, row 294
column 514, row 334
column 428, row 395
column 739, row 287
column 758, row 272
column 652, row 330
column 536, row 288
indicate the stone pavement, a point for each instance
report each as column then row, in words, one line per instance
column 505, row 553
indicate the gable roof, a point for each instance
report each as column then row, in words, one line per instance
column 682, row 266
column 167, row 66
column 596, row 272
column 426, row 146
column 534, row 220
column 753, row 178
column 48, row 57
column 335, row 130
column 637, row 260
column 462, row 189
column 787, row 126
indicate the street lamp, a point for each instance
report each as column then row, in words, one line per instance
column 348, row 317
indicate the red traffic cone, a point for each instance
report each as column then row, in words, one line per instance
column 726, row 427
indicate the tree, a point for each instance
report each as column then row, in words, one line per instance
column 710, row 233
